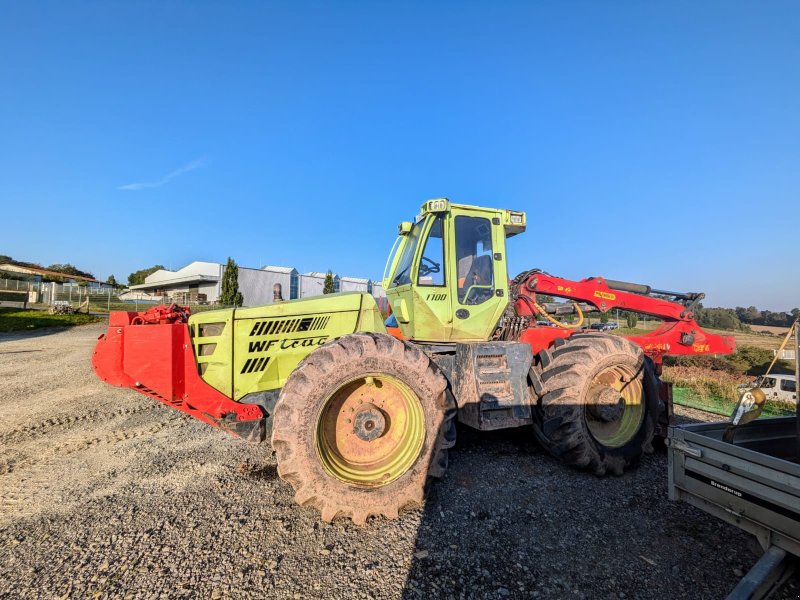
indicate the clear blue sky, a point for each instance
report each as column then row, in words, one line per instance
column 657, row 142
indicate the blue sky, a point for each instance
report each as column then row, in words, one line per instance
column 656, row 142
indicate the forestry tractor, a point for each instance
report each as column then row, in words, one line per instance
column 361, row 416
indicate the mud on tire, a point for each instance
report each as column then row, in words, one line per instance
column 300, row 425
column 568, row 418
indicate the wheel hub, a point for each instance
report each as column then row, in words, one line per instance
column 615, row 405
column 606, row 404
column 369, row 422
column 370, row 431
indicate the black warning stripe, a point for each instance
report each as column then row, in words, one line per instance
column 789, row 514
column 255, row 365
column 277, row 326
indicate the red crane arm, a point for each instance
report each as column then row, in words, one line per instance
column 679, row 334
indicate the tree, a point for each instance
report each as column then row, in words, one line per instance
column 112, row 281
column 137, row 277
column 7, row 260
column 69, row 269
column 328, row 288
column 230, row 294
column 631, row 320
column 604, row 317
column 718, row 318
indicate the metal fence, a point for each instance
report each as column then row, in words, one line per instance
column 94, row 299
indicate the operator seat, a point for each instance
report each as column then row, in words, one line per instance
column 480, row 273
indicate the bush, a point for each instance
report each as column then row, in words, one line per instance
column 703, row 383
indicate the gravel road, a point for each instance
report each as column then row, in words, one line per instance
column 105, row 493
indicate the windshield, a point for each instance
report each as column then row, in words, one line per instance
column 402, row 274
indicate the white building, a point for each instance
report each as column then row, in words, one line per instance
column 312, row 284
column 196, row 282
column 355, row 284
column 377, row 290
column 202, row 282
column 287, row 277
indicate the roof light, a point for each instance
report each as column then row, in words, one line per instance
column 437, row 205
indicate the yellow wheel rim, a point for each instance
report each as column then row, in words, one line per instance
column 615, row 405
column 370, row 431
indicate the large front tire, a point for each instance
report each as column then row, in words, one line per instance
column 361, row 425
column 599, row 404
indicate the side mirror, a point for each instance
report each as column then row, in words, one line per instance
column 404, row 228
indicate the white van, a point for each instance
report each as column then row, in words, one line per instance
column 780, row 387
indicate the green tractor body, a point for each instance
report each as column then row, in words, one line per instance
column 242, row 351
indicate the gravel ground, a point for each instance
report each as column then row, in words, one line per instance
column 105, row 493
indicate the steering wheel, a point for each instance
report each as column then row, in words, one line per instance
column 431, row 267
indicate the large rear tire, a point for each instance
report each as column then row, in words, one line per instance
column 361, row 425
column 599, row 404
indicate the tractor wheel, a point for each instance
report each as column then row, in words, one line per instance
column 599, row 404
column 360, row 426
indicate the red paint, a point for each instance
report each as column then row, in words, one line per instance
column 151, row 352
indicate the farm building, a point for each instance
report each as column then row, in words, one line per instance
column 377, row 290
column 196, row 282
column 287, row 277
column 355, row 284
column 312, row 284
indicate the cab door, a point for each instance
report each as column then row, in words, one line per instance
column 433, row 314
column 479, row 287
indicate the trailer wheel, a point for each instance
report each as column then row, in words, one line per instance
column 599, row 404
column 361, row 425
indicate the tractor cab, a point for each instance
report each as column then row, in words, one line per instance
column 446, row 277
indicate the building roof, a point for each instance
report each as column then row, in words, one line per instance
column 319, row 274
column 275, row 269
column 355, row 279
column 175, row 281
column 43, row 272
column 197, row 268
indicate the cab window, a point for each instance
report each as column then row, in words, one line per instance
column 431, row 263
column 474, row 261
column 402, row 274
column 768, row 383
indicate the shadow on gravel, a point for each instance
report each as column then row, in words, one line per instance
column 508, row 521
column 463, row 546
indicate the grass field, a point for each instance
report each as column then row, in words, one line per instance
column 15, row 319
column 724, row 406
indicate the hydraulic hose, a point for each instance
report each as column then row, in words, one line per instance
column 558, row 323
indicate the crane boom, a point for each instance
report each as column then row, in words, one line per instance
column 679, row 334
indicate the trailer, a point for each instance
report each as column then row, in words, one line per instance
column 752, row 483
